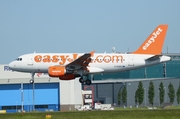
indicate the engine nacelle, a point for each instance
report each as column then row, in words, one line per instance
column 67, row 77
column 56, row 71
column 60, row 71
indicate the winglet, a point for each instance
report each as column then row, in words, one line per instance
column 154, row 43
column 92, row 53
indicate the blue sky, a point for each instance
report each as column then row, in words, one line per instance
column 84, row 25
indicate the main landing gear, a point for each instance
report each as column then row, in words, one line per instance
column 83, row 81
column 32, row 80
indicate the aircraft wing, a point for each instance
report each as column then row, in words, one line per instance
column 81, row 62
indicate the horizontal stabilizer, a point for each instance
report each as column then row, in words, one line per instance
column 153, row 58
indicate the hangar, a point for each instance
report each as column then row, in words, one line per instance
column 47, row 94
column 52, row 94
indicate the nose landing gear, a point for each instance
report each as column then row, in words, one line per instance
column 32, row 80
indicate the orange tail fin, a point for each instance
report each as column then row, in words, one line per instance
column 154, row 43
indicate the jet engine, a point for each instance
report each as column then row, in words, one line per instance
column 56, row 71
column 60, row 71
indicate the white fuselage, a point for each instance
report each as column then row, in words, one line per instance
column 101, row 63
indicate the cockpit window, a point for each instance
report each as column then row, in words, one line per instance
column 19, row 59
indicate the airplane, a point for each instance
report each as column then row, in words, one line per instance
column 68, row 66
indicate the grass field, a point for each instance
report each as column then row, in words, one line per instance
column 116, row 114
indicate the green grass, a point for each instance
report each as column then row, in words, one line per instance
column 116, row 114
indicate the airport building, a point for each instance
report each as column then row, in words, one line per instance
column 52, row 94
column 46, row 94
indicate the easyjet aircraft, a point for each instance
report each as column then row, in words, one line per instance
column 68, row 66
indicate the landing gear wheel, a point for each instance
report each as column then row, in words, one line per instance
column 88, row 82
column 31, row 81
column 81, row 80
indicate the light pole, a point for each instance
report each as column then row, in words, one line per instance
column 22, row 96
column 128, row 104
column 33, row 96
column 145, row 73
column 158, row 98
column 145, row 97
column 165, row 94
column 126, row 85
column 16, row 106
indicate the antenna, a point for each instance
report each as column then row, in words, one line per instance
column 113, row 49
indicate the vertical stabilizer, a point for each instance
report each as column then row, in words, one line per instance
column 154, row 43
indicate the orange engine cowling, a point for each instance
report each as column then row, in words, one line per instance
column 56, row 71
column 67, row 77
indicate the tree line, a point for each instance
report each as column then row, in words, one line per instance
column 139, row 94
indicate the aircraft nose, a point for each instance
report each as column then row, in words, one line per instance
column 11, row 65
